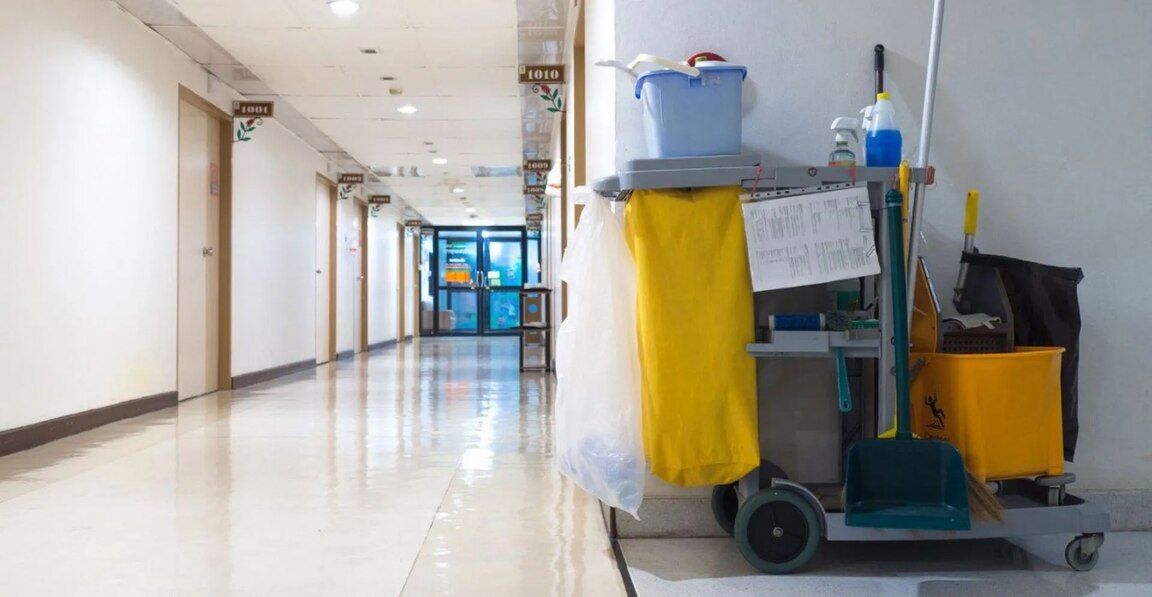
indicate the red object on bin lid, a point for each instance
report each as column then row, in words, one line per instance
column 705, row 56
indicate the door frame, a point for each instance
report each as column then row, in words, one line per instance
column 224, row 250
column 481, row 292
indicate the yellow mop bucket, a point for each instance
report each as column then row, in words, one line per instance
column 1001, row 411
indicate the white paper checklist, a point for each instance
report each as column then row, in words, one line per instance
column 810, row 239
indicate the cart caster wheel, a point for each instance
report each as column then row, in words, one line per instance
column 726, row 501
column 1076, row 557
column 725, row 504
column 777, row 531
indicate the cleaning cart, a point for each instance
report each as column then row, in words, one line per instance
column 779, row 519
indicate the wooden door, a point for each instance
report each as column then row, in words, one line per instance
column 198, row 246
column 325, row 273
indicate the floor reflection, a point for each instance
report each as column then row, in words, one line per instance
column 421, row 469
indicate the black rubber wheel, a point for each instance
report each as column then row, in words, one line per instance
column 1074, row 555
column 725, row 504
column 777, row 531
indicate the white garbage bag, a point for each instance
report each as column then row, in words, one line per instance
column 597, row 415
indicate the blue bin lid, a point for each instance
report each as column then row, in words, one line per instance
column 703, row 66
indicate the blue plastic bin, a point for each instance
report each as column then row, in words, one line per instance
column 692, row 116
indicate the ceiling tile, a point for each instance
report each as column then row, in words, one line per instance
column 266, row 14
column 398, row 48
column 372, row 13
column 411, row 81
column 273, row 47
column 471, row 46
column 305, row 80
column 480, row 82
column 460, row 13
column 439, row 108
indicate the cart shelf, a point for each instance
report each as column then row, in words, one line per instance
column 797, row 344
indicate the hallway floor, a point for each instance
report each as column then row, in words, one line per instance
column 417, row 470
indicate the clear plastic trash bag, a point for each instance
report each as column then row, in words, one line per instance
column 599, row 443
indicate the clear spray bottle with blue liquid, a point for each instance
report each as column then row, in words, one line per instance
column 882, row 143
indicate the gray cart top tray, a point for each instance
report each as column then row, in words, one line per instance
column 735, row 170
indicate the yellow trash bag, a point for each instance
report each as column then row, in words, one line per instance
column 694, row 319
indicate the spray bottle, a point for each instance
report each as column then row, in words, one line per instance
column 842, row 154
column 883, row 141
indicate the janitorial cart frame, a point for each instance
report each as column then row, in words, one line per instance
column 779, row 522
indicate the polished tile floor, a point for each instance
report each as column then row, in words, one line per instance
column 418, row 470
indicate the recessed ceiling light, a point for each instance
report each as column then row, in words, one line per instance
column 439, row 161
column 343, row 8
column 457, row 190
column 407, row 109
column 470, row 210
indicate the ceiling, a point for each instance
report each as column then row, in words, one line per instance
column 343, row 78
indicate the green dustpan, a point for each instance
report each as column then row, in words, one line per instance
column 904, row 483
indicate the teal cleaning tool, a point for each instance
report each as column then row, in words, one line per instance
column 842, row 390
column 904, row 483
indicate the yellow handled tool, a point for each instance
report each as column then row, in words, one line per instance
column 971, row 216
column 905, row 174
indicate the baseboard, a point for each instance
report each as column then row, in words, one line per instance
column 250, row 379
column 347, row 354
column 662, row 517
column 36, row 434
column 384, row 344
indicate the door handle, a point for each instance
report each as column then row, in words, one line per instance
column 208, row 251
column 319, row 271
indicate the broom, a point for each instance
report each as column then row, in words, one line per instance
column 982, row 502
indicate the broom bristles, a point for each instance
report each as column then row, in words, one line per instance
column 982, row 503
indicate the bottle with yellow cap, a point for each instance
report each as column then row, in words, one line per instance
column 883, row 141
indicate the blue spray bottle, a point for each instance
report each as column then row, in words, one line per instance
column 883, row 141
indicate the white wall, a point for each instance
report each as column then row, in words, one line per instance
column 600, row 33
column 274, row 250
column 383, row 270
column 1045, row 110
column 88, row 235
column 347, row 257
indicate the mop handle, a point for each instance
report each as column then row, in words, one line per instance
column 878, row 65
column 925, row 141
